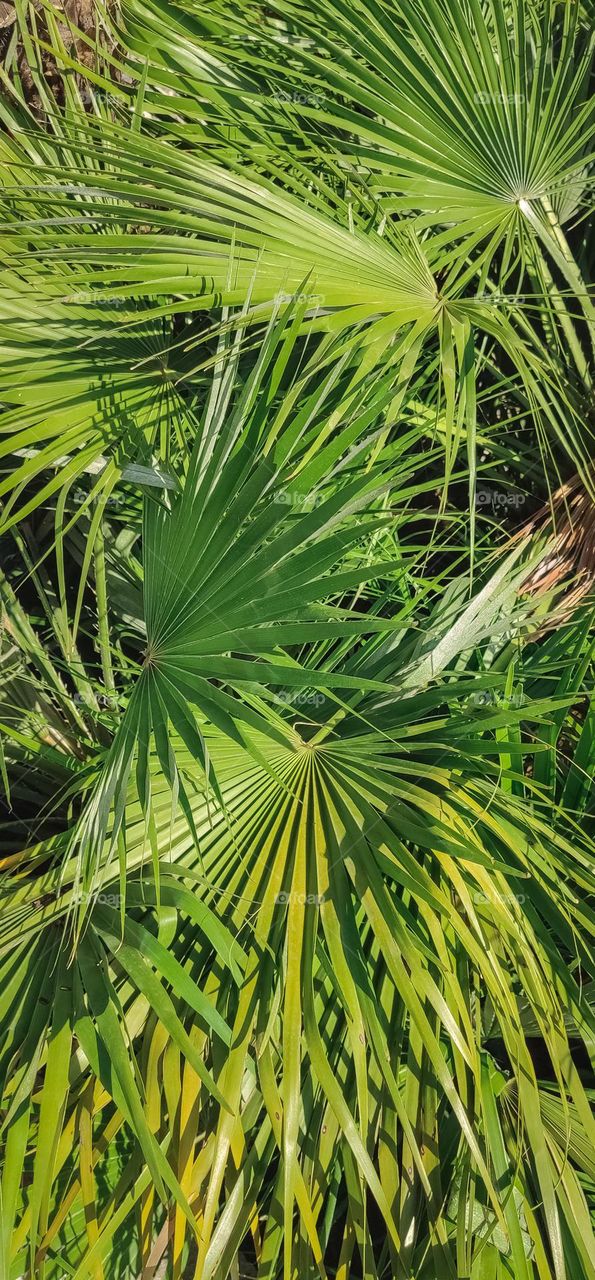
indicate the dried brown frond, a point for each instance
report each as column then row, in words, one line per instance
column 566, row 525
column 82, row 14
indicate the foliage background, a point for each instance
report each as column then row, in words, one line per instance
column 297, row 736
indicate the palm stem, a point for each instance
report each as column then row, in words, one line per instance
column 559, row 249
column 103, row 636
column 566, row 321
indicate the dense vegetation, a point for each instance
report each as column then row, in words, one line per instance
column 296, row 727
